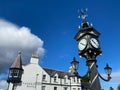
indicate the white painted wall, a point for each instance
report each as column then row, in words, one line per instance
column 32, row 79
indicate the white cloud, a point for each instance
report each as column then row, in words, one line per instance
column 13, row 39
column 3, row 85
column 114, row 82
column 115, row 77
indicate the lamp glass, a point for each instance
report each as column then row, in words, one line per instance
column 108, row 69
column 75, row 63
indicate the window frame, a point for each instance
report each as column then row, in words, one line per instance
column 55, row 88
column 43, row 87
column 44, row 77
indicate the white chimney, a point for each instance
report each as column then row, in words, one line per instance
column 34, row 59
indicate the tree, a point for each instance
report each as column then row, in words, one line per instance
column 118, row 88
column 85, row 79
column 111, row 88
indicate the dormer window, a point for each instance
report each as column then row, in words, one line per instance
column 74, row 79
column 44, row 77
column 65, row 79
column 77, row 80
column 55, row 79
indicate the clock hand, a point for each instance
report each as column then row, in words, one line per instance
column 94, row 42
column 82, row 44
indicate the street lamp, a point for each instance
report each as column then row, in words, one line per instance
column 75, row 64
column 89, row 48
column 108, row 71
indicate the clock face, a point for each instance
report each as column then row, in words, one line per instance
column 82, row 44
column 94, row 42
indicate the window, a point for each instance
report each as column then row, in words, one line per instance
column 43, row 87
column 65, row 80
column 74, row 88
column 20, row 74
column 15, row 86
column 44, row 77
column 55, row 88
column 65, row 88
column 55, row 79
column 16, row 72
column 73, row 79
column 11, row 73
column 77, row 80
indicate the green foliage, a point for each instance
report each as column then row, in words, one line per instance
column 118, row 88
column 111, row 88
column 85, row 79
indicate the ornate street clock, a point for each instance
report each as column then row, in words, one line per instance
column 88, row 43
column 89, row 48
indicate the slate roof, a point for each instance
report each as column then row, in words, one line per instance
column 18, row 62
column 61, row 74
column 52, row 72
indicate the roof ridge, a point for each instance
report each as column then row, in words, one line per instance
column 55, row 69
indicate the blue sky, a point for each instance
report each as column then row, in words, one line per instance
column 55, row 22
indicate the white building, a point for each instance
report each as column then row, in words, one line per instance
column 33, row 77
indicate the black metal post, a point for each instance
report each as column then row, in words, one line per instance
column 94, row 76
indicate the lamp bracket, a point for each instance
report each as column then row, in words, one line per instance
column 108, row 78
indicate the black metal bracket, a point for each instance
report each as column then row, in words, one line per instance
column 108, row 78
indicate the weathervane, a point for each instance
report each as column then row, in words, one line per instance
column 83, row 14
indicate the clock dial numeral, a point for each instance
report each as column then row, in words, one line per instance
column 94, row 42
column 82, row 44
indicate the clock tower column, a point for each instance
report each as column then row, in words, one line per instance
column 89, row 48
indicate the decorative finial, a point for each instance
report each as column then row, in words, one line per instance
column 74, row 59
column 83, row 14
column 19, row 52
